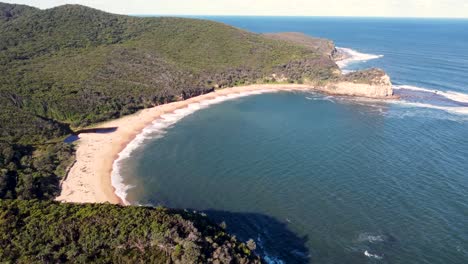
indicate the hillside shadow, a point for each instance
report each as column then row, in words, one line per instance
column 102, row 130
column 75, row 136
column 275, row 241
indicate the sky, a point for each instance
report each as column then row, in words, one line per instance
column 362, row 8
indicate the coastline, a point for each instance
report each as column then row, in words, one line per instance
column 90, row 178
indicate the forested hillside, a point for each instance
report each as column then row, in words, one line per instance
column 49, row 232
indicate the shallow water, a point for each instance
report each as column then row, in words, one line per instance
column 323, row 179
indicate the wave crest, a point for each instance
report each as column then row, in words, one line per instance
column 369, row 255
column 352, row 56
column 448, row 101
column 371, row 238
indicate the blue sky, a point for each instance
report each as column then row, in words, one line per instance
column 382, row 8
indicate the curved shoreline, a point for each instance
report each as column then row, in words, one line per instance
column 90, row 178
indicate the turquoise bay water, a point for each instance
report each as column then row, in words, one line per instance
column 318, row 179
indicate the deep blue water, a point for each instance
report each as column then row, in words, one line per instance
column 318, row 179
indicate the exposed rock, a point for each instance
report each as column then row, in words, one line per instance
column 372, row 76
column 338, row 55
column 374, row 83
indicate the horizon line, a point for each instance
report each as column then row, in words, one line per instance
column 251, row 15
column 291, row 16
column 248, row 15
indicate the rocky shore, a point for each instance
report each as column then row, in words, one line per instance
column 372, row 83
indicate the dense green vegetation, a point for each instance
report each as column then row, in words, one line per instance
column 72, row 66
column 28, row 173
column 50, row 232
column 371, row 76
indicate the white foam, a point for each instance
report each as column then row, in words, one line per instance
column 272, row 260
column 449, row 109
column 354, row 56
column 157, row 129
column 367, row 254
column 321, row 98
column 371, row 238
column 380, row 104
column 374, row 239
column 454, row 96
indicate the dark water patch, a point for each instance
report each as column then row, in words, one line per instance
column 266, row 231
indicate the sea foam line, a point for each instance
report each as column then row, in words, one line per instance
column 450, row 109
column 158, row 128
column 454, row 96
column 451, row 95
column 354, row 56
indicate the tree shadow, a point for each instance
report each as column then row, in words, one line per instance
column 275, row 242
column 71, row 138
column 102, row 130
column 75, row 136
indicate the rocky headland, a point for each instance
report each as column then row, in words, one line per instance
column 372, row 83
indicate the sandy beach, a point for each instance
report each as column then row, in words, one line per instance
column 89, row 180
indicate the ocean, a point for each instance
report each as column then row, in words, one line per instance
column 320, row 179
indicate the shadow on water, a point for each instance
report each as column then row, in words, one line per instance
column 275, row 242
column 74, row 137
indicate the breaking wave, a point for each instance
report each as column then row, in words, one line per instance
column 366, row 237
column 448, row 101
column 352, row 56
column 367, row 254
column 412, row 96
column 451, row 95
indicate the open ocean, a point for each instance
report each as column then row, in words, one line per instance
column 320, row 179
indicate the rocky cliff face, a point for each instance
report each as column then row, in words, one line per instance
column 374, row 83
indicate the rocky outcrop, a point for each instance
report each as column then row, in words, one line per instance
column 374, row 83
column 338, row 55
